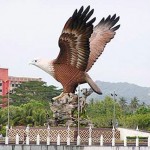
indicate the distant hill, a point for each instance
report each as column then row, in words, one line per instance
column 126, row 90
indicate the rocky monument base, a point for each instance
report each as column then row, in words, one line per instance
column 65, row 109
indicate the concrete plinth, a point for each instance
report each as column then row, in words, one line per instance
column 66, row 147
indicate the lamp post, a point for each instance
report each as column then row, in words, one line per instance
column 78, row 108
column 8, row 113
column 114, row 119
column 78, row 137
column 114, row 111
column 6, row 138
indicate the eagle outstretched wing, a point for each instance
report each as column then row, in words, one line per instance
column 102, row 34
column 74, row 39
column 80, row 46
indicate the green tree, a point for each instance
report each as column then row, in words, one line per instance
column 34, row 113
column 140, row 120
column 143, row 110
column 34, row 90
column 134, row 104
column 123, row 103
column 3, row 116
column 101, row 112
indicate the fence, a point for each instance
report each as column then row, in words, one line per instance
column 68, row 136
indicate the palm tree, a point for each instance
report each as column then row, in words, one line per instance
column 123, row 103
column 134, row 104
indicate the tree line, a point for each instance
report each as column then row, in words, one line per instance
column 128, row 115
column 29, row 104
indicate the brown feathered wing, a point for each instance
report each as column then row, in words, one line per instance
column 102, row 34
column 74, row 39
column 74, row 44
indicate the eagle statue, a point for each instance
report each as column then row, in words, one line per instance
column 80, row 46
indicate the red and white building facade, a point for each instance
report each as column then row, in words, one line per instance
column 8, row 83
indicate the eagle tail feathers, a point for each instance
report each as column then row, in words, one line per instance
column 92, row 84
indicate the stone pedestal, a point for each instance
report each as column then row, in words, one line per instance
column 65, row 109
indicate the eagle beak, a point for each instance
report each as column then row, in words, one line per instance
column 31, row 63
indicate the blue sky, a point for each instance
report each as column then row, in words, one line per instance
column 30, row 29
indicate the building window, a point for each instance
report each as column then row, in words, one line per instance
column 0, row 84
column 17, row 85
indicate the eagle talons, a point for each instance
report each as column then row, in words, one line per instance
column 57, row 97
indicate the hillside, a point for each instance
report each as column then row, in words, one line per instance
column 126, row 90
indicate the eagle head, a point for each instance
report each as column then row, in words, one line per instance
column 45, row 65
